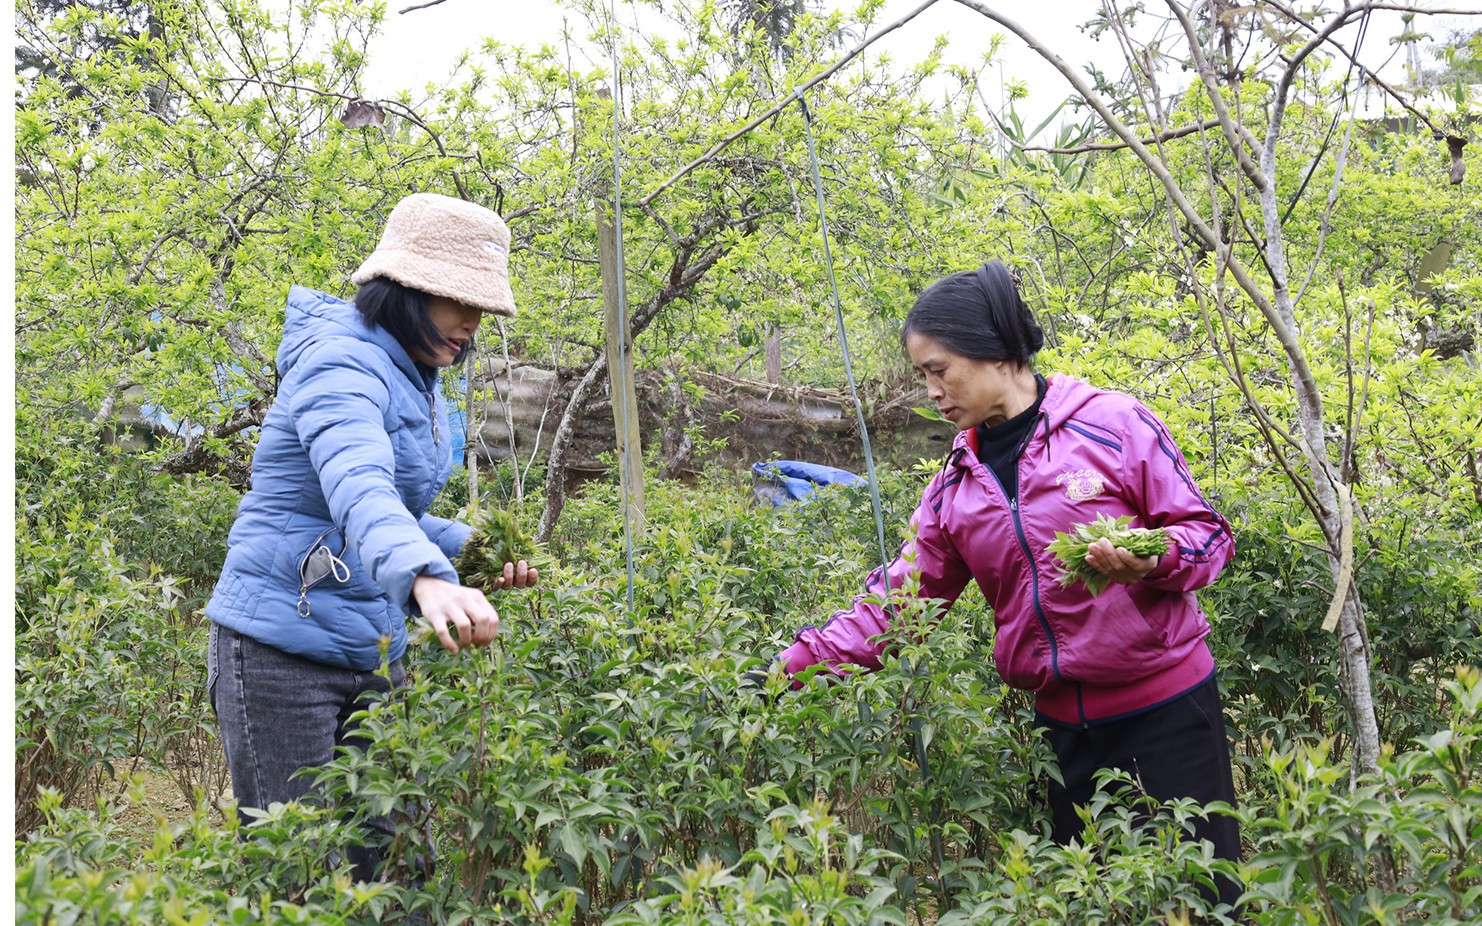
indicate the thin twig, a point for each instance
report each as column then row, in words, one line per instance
column 404, row 111
column 1230, row 357
column 1326, row 225
column 1240, row 141
column 263, row 82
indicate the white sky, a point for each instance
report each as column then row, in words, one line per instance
column 422, row 46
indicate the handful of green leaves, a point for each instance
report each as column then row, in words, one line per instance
column 1071, row 548
column 496, row 540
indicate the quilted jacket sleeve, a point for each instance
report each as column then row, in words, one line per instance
column 1200, row 541
column 450, row 536
column 851, row 636
column 337, row 412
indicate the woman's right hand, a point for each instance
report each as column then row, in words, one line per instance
column 456, row 613
column 1119, row 564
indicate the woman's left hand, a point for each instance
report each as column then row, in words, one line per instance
column 1118, row 564
column 517, row 575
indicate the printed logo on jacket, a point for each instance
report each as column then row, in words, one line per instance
column 1082, row 484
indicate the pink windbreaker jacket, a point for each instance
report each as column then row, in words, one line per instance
column 1087, row 659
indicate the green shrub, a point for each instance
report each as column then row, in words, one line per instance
column 112, row 567
column 605, row 765
column 85, row 690
column 1421, row 817
column 1280, row 672
column 83, row 866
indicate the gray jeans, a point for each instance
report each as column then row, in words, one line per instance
column 279, row 713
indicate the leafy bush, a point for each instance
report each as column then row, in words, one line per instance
column 1421, row 813
column 605, row 765
column 1280, row 672
column 623, row 753
column 83, row 866
column 110, row 646
column 83, row 696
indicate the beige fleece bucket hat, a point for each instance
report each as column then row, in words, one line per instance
column 445, row 247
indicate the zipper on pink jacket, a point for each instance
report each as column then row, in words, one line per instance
column 1039, row 610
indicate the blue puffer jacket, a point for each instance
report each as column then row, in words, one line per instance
column 351, row 455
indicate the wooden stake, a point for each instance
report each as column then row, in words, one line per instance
column 620, row 372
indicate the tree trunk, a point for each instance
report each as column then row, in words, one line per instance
column 1327, row 486
column 688, row 266
column 679, row 442
column 555, row 470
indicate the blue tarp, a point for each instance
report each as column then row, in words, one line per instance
column 458, row 424
column 782, row 482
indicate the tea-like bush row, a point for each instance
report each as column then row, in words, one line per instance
column 602, row 765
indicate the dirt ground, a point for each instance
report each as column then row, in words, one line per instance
column 150, row 797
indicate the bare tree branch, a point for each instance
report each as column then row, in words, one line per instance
column 1326, row 226
column 404, row 111
column 137, row 273
column 1229, row 356
column 1239, row 141
column 194, row 457
column 254, row 360
column 1324, row 36
column 1283, row 330
column 1169, row 135
column 782, row 104
column 105, row 410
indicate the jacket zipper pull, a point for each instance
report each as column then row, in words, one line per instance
column 432, row 411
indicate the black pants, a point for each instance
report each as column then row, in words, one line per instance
column 278, row 713
column 1173, row 751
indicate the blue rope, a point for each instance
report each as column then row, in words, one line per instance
column 864, row 432
column 622, row 378
column 918, row 741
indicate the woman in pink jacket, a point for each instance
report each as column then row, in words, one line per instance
column 1123, row 679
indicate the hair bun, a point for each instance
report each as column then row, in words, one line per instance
column 1036, row 339
column 1007, row 312
column 978, row 314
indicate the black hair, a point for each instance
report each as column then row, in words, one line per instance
column 402, row 311
column 978, row 314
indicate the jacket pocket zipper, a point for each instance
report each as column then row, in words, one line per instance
column 318, row 564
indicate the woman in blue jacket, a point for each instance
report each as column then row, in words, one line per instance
column 333, row 545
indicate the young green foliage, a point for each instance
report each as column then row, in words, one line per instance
column 1071, row 548
column 497, row 539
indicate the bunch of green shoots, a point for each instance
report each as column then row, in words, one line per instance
column 496, row 540
column 1071, row 548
